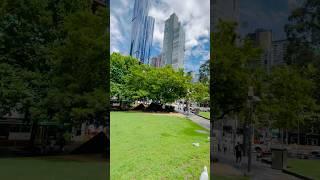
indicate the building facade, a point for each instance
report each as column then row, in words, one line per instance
column 156, row 61
column 262, row 38
column 173, row 43
column 142, row 31
column 279, row 51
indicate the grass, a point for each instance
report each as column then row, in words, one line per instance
column 51, row 168
column 155, row 146
column 305, row 167
column 205, row 114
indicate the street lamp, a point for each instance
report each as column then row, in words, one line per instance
column 252, row 100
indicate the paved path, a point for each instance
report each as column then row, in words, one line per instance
column 196, row 119
column 259, row 171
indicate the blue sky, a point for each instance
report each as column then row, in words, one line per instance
column 194, row 15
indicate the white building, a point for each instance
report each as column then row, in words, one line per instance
column 173, row 43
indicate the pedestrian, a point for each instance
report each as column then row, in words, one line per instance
column 238, row 151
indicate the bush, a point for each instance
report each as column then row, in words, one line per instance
column 155, row 107
column 169, row 108
column 140, row 107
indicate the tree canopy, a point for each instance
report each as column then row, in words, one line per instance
column 131, row 80
column 53, row 59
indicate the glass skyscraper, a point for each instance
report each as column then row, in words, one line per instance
column 173, row 43
column 142, row 31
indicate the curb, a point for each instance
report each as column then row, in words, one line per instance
column 201, row 116
column 297, row 174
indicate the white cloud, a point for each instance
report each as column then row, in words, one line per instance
column 116, row 35
column 194, row 15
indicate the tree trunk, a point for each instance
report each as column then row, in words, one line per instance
column 287, row 137
column 244, row 139
column 282, row 138
column 34, row 129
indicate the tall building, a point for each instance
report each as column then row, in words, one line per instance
column 262, row 38
column 273, row 52
column 142, row 31
column 156, row 61
column 225, row 10
column 173, row 43
column 279, row 50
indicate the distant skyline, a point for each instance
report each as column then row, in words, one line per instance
column 194, row 15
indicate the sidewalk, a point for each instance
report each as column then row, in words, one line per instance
column 259, row 171
column 196, row 119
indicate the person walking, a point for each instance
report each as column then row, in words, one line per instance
column 238, row 151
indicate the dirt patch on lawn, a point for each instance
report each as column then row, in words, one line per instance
column 169, row 114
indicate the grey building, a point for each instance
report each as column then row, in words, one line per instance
column 279, row 51
column 195, row 76
column 262, row 38
column 156, row 61
column 273, row 52
column 142, row 31
column 173, row 43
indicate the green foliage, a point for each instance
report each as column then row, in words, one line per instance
column 53, row 60
column 199, row 92
column 289, row 97
column 230, row 70
column 120, row 67
column 302, row 32
column 132, row 81
column 80, row 71
column 204, row 72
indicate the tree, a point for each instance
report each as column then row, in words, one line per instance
column 121, row 68
column 199, row 92
column 230, row 70
column 302, row 31
column 132, row 81
column 290, row 98
column 79, row 75
column 204, row 72
column 162, row 85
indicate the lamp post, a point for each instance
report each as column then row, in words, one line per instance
column 252, row 100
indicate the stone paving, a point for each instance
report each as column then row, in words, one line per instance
column 259, row 171
column 205, row 123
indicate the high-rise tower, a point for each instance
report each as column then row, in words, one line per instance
column 142, row 31
column 173, row 43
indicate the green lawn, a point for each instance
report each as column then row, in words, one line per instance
column 305, row 167
column 51, row 168
column 205, row 114
column 156, row 146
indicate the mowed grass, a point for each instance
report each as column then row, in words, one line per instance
column 205, row 114
column 305, row 167
column 156, row 146
column 52, row 168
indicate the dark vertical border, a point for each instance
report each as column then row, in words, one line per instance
column 108, row 90
column 210, row 91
